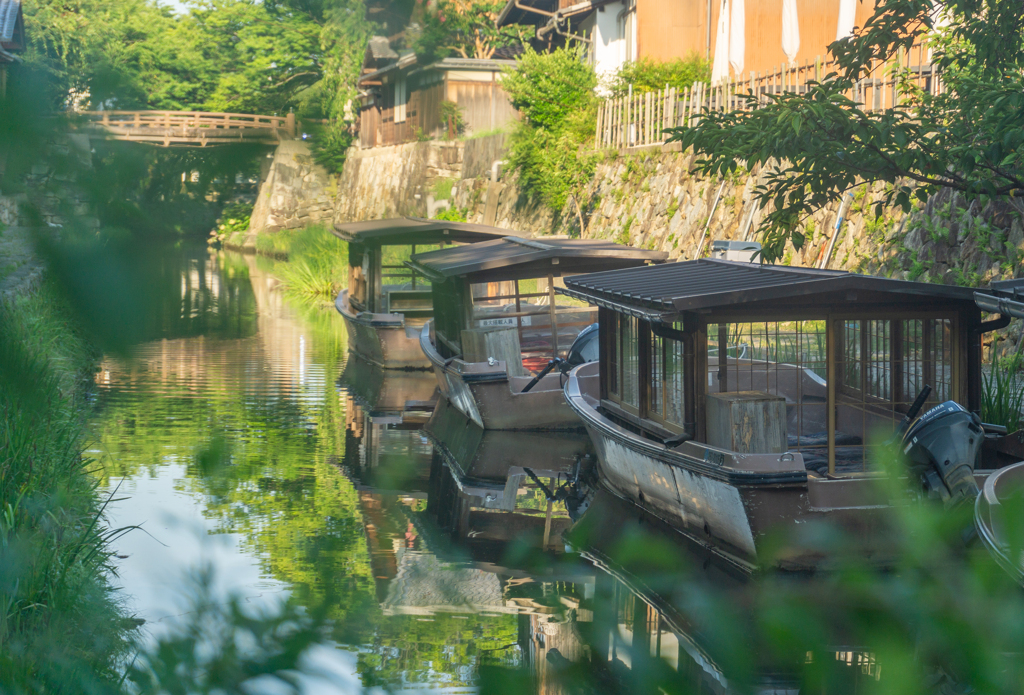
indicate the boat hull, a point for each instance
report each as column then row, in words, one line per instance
column 382, row 339
column 486, row 394
column 731, row 511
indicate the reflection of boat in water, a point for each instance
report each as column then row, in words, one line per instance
column 383, row 308
column 498, row 322
column 385, row 410
column 734, row 399
column 493, row 486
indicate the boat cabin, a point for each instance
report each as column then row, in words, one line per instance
column 755, row 358
column 378, row 280
column 511, row 283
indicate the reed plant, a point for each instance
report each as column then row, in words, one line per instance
column 1002, row 393
column 317, row 264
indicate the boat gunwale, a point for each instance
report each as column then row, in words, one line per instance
column 747, row 479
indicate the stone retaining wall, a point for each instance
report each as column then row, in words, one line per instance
column 295, row 191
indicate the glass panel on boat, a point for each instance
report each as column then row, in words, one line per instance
column 782, row 358
column 629, row 350
column 666, row 391
column 532, row 307
column 884, row 365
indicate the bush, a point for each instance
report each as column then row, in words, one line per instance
column 647, row 75
column 233, row 218
column 451, row 215
column 450, row 112
column 551, row 146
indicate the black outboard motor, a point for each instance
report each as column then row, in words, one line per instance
column 584, row 349
column 943, row 447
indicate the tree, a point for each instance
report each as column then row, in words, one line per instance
column 554, row 92
column 467, row 28
column 818, row 145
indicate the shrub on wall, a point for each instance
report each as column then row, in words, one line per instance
column 647, row 75
column 550, row 147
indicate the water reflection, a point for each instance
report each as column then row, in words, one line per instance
column 439, row 560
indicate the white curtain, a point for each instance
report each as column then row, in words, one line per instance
column 790, row 30
column 847, row 18
column 737, row 36
column 720, row 68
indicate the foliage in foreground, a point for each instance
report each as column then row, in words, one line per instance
column 969, row 137
column 61, row 629
column 649, row 75
column 550, row 147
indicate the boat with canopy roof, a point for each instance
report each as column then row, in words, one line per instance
column 734, row 398
column 385, row 304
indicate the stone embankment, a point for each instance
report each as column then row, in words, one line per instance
column 652, row 198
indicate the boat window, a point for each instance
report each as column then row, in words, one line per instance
column 533, row 308
column 884, row 364
column 629, row 361
column 783, row 358
column 611, row 319
column 666, row 392
column 395, row 274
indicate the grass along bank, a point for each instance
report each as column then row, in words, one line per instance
column 61, row 626
column 317, row 261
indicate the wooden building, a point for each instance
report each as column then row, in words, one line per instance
column 12, row 38
column 628, row 30
column 401, row 99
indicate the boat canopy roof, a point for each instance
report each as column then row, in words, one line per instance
column 403, row 231
column 515, row 258
column 713, row 284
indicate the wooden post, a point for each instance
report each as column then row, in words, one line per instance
column 831, row 343
column 552, row 315
column 289, row 124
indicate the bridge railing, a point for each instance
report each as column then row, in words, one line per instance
column 194, row 119
column 192, row 127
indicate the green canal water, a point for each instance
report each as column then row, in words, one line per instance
column 242, row 443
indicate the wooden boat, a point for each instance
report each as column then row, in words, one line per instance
column 498, row 322
column 732, row 399
column 383, row 307
column 998, row 518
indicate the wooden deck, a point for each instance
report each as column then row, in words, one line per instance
column 191, row 128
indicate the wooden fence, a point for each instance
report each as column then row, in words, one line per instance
column 638, row 120
column 192, row 128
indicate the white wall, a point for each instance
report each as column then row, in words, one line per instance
column 608, row 31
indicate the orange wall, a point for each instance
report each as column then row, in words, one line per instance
column 669, row 29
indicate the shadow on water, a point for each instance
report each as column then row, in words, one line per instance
column 243, row 440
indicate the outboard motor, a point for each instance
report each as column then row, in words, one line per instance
column 586, row 348
column 943, row 447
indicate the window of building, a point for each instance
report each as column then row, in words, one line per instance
column 401, row 99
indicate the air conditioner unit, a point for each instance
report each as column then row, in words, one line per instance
column 743, row 251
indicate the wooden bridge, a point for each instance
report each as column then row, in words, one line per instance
column 191, row 128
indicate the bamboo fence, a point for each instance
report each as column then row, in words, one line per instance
column 638, row 120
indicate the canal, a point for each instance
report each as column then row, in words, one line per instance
column 258, row 462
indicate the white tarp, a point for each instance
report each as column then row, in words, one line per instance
column 737, row 36
column 720, row 68
column 790, row 30
column 847, row 18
